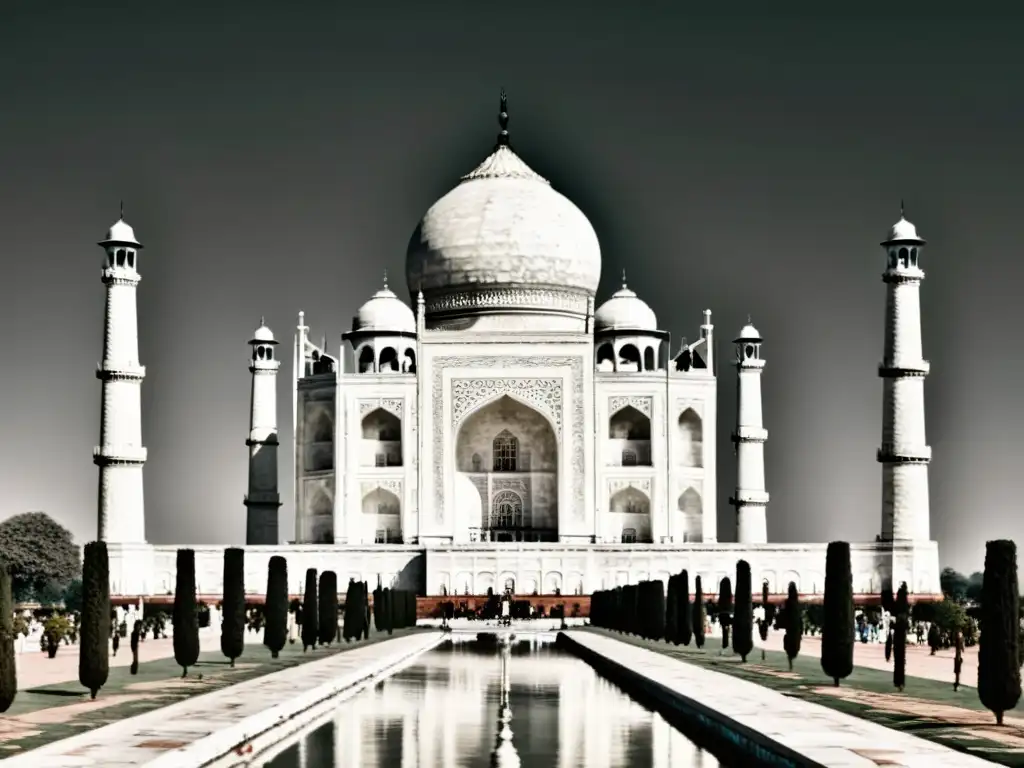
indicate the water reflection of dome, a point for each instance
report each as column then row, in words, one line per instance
column 502, row 242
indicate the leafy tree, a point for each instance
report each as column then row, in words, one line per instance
column 794, row 622
column 998, row 644
column 72, row 597
column 950, row 617
column 310, row 612
column 328, row 596
column 743, row 621
column 954, row 584
column 186, row 613
column 672, row 610
column 93, row 659
column 232, row 628
column 698, row 614
column 837, row 625
column 725, row 609
column 8, row 663
column 975, row 586
column 901, row 610
column 39, row 553
column 685, row 611
column 275, row 613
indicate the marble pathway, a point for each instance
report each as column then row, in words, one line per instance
column 823, row 735
column 203, row 728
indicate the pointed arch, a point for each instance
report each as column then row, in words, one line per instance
column 605, row 357
column 382, row 511
column 388, row 361
column 629, row 438
column 630, row 501
column 629, row 358
column 321, row 504
column 321, row 426
column 505, row 452
column 382, row 439
column 409, row 361
column 690, row 430
column 690, row 506
column 650, row 361
column 365, row 359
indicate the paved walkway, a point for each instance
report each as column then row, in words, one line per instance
column 204, row 728
column 920, row 662
column 824, row 735
column 36, row 669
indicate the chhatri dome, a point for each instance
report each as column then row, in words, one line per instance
column 121, row 233
column 903, row 230
column 625, row 311
column 384, row 312
column 504, row 242
column 262, row 335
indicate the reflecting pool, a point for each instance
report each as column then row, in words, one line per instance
column 470, row 703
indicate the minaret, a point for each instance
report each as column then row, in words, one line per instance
column 263, row 500
column 904, row 453
column 750, row 499
column 120, row 455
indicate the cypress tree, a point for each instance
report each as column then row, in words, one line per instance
column 794, row 622
column 769, row 616
column 743, row 622
column 353, row 613
column 725, row 609
column 684, row 610
column 232, row 628
column 8, row 665
column 94, row 626
column 631, row 596
column 366, row 610
column 672, row 610
column 999, row 640
column 387, row 610
column 327, row 595
column 275, row 612
column 310, row 612
column 378, row 607
column 656, row 610
column 901, row 609
column 837, row 615
column 698, row 614
column 186, row 612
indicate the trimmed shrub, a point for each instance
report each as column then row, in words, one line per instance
column 378, row 608
column 8, row 663
column 387, row 611
column 656, row 610
column 275, row 611
column 743, row 621
column 94, row 625
column 672, row 610
column 793, row 620
column 685, row 612
column 186, row 613
column 698, row 614
column 232, row 628
column 725, row 609
column 353, row 627
column 998, row 643
column 310, row 612
column 837, row 627
column 327, row 596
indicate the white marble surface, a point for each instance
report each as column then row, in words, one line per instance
column 829, row 737
column 203, row 728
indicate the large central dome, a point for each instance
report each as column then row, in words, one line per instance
column 503, row 242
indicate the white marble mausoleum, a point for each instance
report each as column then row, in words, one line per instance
column 505, row 427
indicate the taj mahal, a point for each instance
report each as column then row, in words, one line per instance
column 509, row 429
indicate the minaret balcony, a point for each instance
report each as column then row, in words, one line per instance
column 904, row 369
column 898, row 453
column 119, row 454
column 744, row 498
column 262, row 497
column 750, row 435
column 109, row 370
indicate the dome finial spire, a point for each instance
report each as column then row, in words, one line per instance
column 385, row 279
column 263, row 320
column 122, row 210
column 749, row 320
column 624, row 279
column 503, row 140
column 902, row 216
